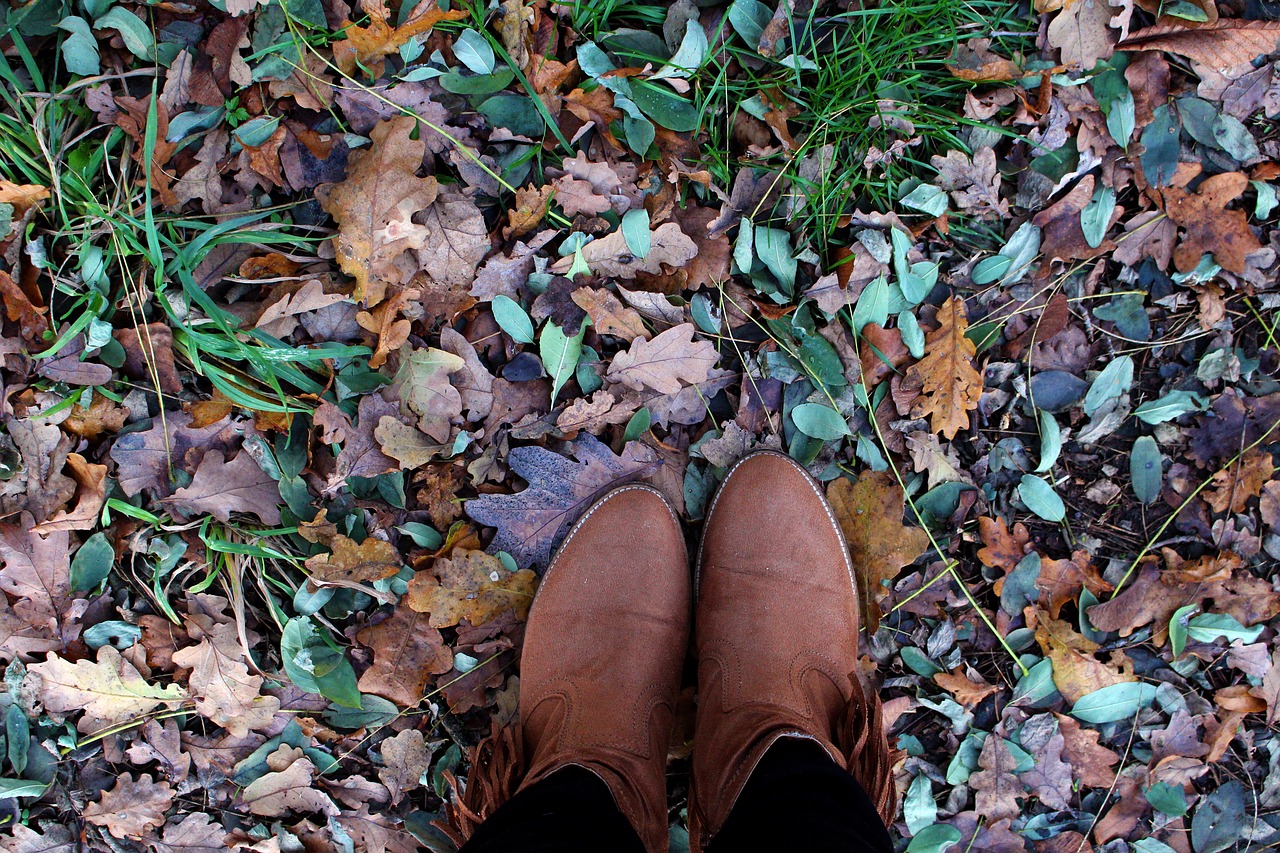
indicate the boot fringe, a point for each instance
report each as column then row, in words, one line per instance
column 861, row 738
column 497, row 768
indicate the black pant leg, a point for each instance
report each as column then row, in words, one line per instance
column 569, row 811
column 799, row 799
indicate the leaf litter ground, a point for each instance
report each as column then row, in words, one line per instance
column 322, row 323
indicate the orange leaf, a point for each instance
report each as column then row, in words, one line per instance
column 366, row 46
column 950, row 384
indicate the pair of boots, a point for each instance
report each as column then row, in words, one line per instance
column 775, row 635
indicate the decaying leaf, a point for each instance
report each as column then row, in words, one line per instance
column 110, row 691
column 950, row 384
column 668, row 362
column 132, row 808
column 470, row 585
column 220, row 488
column 870, row 514
column 407, row 654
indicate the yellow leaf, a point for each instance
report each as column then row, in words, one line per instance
column 950, row 384
column 110, row 691
column 472, row 585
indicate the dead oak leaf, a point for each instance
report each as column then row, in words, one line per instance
column 950, row 385
column 348, row 564
column 425, row 388
column 996, row 787
column 374, row 207
column 966, row 691
column 133, row 808
column 196, row 832
column 109, row 691
column 456, row 240
column 405, row 758
column 288, row 787
column 1207, row 224
column 608, row 315
column 406, row 444
column 1076, row 670
column 470, row 585
column 1091, row 762
column 220, row 488
column 1228, row 46
column 974, row 183
column 610, row 256
column 667, row 363
column 37, row 572
column 870, row 514
column 1233, row 486
column 20, row 640
column 369, row 46
column 53, row 838
column 407, row 654
column 224, row 690
column 1061, row 581
column 1082, row 32
column 530, row 523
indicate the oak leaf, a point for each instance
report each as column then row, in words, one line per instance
column 374, row 207
column 361, row 454
column 54, row 838
column 1207, row 224
column 19, row 640
column 531, row 523
column 426, row 390
column 37, row 572
column 456, row 241
column 110, row 691
column 1232, row 487
column 610, row 256
column 1229, row 46
column 974, row 183
column 950, row 384
column 1091, row 762
column 405, row 758
column 196, row 832
column 667, row 363
column 406, row 444
column 224, row 690
column 966, row 691
column 1082, row 31
column 608, row 315
column 220, row 488
column 470, row 585
column 288, row 787
column 369, row 46
column 870, row 514
column 407, row 653
column 1076, row 670
column 133, row 808
column 349, row 564
column 996, row 788
column 145, row 458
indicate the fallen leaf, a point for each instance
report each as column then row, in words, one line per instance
column 368, row 47
column 194, row 833
column 220, row 488
column 288, row 787
column 37, row 572
column 456, row 241
column 531, row 523
column 672, row 360
column 1207, row 225
column 133, row 808
column 374, row 206
column 405, row 758
column 973, row 60
column 349, row 564
column 110, row 692
column 967, row 692
column 1228, row 45
column 609, row 255
column 407, row 654
column 1232, row 487
column 996, row 788
column 608, row 315
column 950, row 384
column 144, row 459
column 1076, row 670
column 1091, row 762
column 425, row 390
column 224, row 691
column 974, row 184
column 470, row 585
column 870, row 514
column 1082, row 31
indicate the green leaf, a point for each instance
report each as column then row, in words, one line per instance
column 820, row 359
column 912, row 334
column 689, row 56
column 990, row 269
column 664, row 106
column 638, row 425
column 1040, row 498
column 1167, row 799
column 926, row 198
column 744, row 251
column 1178, row 628
column 133, row 32
column 92, row 563
column 375, row 713
column 560, row 354
column 1160, row 144
column 80, row 48
column 1113, row 381
column 639, row 133
column 1184, row 9
column 1150, row 845
column 1050, row 441
column 635, row 230
column 1208, row 627
column 422, row 535
column 17, row 735
column 1037, row 685
column 872, row 305
column 1267, row 199
column 517, row 113
column 120, row 634
column 1129, row 313
column 1172, row 405
column 818, row 421
column 918, row 662
column 1115, row 702
column 315, row 666
column 478, row 84
column 748, row 19
column 1217, row 822
column 773, row 248
column 512, row 319
column 11, row 788
column 934, row 839
column 919, row 809
column 1146, row 469
column 473, row 50
column 1096, row 216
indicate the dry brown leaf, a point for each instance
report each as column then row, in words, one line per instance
column 405, row 758
column 870, row 514
column 1091, row 762
column 973, row 60
column 470, row 585
column 407, row 654
column 133, row 808
column 1233, row 486
column 1207, row 225
column 1076, row 671
column 1061, row 581
column 949, row 383
column 1082, row 31
column 1002, row 548
column 349, row 565
column 110, row 691
column 966, row 691
column 37, row 573
column 996, row 788
column 666, row 363
column 369, row 46
column 1227, row 45
column 530, row 209
column 608, row 315
column 288, row 787
column 196, row 832
column 405, row 444
column 609, row 255
column 974, row 184
column 224, row 690
column 220, row 488
column 375, row 204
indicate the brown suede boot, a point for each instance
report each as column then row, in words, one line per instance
column 600, row 669
column 776, row 635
